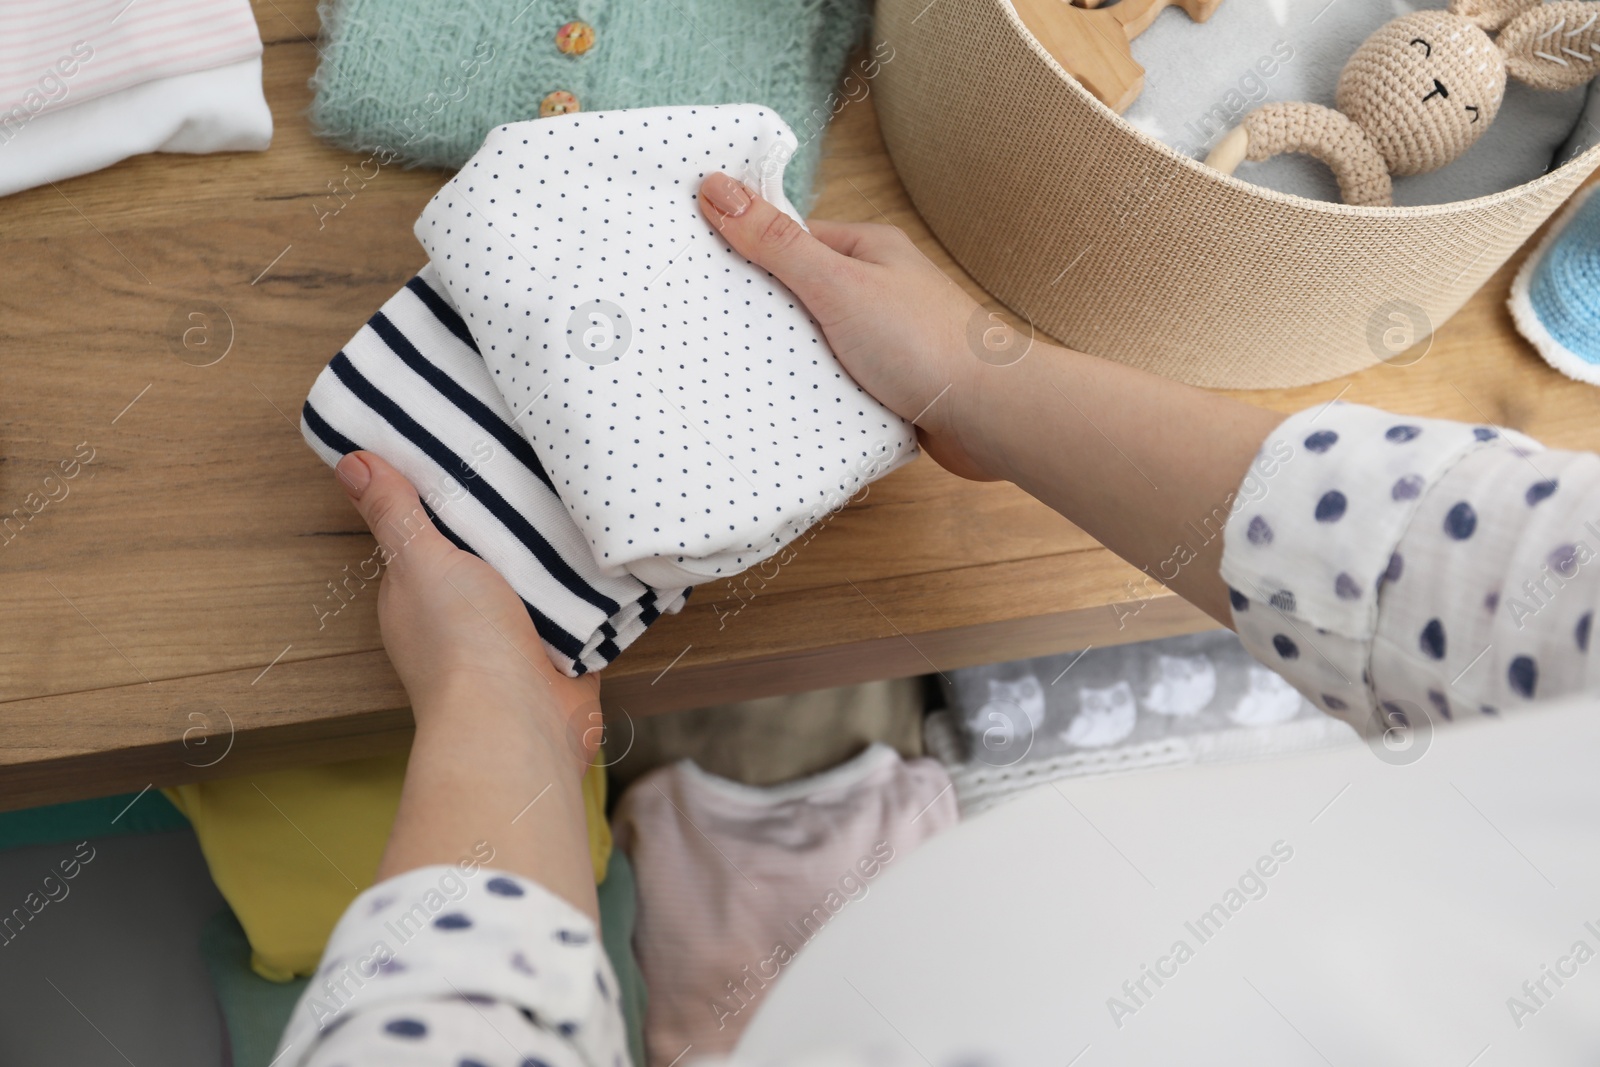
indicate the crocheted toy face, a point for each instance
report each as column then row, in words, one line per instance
column 1422, row 89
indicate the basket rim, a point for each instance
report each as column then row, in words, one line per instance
column 1589, row 158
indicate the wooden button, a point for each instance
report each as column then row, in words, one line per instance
column 559, row 102
column 575, row 38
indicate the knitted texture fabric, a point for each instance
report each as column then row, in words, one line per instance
column 1389, row 89
column 1554, row 47
column 1555, row 297
column 1322, row 132
column 1491, row 14
column 422, row 83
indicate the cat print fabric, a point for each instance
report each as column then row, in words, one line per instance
column 1105, row 716
column 1126, row 696
column 1014, row 707
column 1269, row 700
column 1183, row 685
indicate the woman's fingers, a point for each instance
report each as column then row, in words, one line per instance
column 388, row 503
column 869, row 242
column 851, row 239
column 818, row 275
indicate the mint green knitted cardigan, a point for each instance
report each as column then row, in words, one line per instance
column 421, row 82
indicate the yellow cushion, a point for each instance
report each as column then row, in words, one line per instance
column 290, row 850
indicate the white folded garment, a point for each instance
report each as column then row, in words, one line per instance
column 687, row 408
column 216, row 110
column 85, row 83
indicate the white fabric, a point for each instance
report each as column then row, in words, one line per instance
column 56, row 54
column 1008, row 940
column 216, row 110
column 1402, row 572
column 1419, row 907
column 456, row 963
column 726, row 427
column 410, row 387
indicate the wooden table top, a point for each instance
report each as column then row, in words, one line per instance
column 163, row 610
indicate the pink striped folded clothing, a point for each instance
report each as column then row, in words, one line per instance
column 85, row 83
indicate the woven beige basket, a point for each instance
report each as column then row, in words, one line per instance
column 1116, row 244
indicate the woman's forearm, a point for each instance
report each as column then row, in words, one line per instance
column 1146, row 466
column 491, row 767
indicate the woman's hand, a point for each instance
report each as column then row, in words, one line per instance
column 454, row 629
column 498, row 726
column 1134, row 459
column 895, row 321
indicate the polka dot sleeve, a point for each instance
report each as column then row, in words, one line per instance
column 456, row 966
column 1372, row 559
column 1493, row 604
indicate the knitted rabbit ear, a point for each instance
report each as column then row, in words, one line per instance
column 1491, row 14
column 1553, row 47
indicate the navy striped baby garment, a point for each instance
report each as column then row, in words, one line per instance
column 412, row 388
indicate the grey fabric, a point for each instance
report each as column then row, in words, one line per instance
column 1201, row 79
column 1587, row 135
column 1192, row 699
column 1121, row 695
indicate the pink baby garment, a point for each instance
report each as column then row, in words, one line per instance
column 734, row 880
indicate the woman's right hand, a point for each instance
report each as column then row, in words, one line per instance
column 895, row 321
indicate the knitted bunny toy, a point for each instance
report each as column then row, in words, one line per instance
column 1422, row 89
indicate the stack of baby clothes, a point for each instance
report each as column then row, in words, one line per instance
column 591, row 389
column 85, row 83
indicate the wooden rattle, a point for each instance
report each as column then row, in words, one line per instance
column 1091, row 42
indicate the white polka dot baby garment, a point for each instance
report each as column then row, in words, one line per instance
column 688, row 410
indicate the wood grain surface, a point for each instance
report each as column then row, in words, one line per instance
column 167, row 613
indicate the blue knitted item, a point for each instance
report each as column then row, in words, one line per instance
column 422, row 82
column 1555, row 297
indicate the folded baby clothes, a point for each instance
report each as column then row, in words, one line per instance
column 427, row 81
column 734, row 880
column 583, row 339
column 1555, row 297
column 1191, row 699
column 411, row 387
column 86, row 83
column 685, row 404
column 1202, row 79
